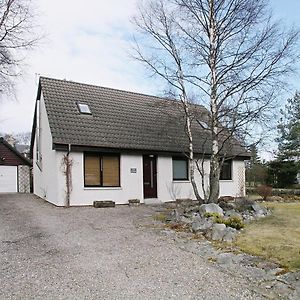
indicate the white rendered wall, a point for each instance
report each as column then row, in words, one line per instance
column 131, row 183
column 170, row 190
column 45, row 178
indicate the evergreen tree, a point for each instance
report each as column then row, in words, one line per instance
column 256, row 171
column 289, row 130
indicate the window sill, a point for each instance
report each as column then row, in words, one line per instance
column 102, row 188
column 226, row 180
column 181, row 181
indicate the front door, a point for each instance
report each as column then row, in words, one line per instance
column 149, row 176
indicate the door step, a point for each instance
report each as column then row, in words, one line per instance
column 104, row 204
column 151, row 201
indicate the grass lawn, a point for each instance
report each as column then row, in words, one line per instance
column 277, row 237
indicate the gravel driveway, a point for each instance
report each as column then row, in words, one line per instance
column 87, row 253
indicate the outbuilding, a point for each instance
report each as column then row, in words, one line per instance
column 14, row 170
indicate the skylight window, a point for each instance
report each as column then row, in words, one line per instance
column 84, row 108
column 203, row 124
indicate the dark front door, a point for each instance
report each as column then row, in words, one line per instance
column 149, row 176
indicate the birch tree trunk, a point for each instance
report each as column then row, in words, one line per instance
column 184, row 100
column 214, row 161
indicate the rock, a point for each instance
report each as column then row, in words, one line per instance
column 225, row 258
column 217, row 232
column 232, row 213
column 259, row 210
column 248, row 218
column 202, row 225
column 186, row 220
column 134, row 202
column 226, row 199
column 175, row 215
column 211, row 208
column 230, row 235
column 243, row 204
column 226, row 206
column 185, row 202
column 196, row 217
column 192, row 208
column 104, row 204
column 275, row 198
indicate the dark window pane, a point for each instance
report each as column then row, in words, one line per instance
column 180, row 169
column 226, row 172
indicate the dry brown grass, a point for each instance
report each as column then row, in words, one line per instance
column 276, row 237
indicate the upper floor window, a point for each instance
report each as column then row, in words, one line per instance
column 84, row 108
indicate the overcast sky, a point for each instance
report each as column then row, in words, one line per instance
column 89, row 41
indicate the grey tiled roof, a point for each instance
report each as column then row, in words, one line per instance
column 120, row 119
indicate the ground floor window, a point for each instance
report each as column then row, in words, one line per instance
column 180, row 169
column 101, row 170
column 226, row 170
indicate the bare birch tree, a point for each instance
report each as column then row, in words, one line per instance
column 230, row 54
column 17, row 33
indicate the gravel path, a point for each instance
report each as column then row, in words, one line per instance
column 87, row 253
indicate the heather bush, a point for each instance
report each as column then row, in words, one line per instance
column 264, row 191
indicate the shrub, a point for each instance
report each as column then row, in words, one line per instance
column 211, row 215
column 160, row 217
column 217, row 218
column 264, row 191
column 235, row 222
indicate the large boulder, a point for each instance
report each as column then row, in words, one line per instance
column 211, row 208
column 233, row 213
column 202, row 225
column 226, row 205
column 218, row 231
column 230, row 234
column 243, row 204
column 260, row 211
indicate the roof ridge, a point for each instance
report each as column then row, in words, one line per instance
column 105, row 87
column 116, row 89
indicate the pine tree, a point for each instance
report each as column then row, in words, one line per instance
column 289, row 130
column 256, row 171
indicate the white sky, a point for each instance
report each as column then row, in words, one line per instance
column 87, row 41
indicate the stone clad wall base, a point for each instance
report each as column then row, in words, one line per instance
column 24, row 179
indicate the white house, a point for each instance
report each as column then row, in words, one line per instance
column 93, row 143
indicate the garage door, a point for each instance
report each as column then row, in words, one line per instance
column 8, row 179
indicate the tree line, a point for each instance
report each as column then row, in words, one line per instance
column 283, row 170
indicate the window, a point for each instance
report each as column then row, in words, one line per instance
column 203, row 124
column 84, row 108
column 226, row 170
column 101, row 170
column 180, row 169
